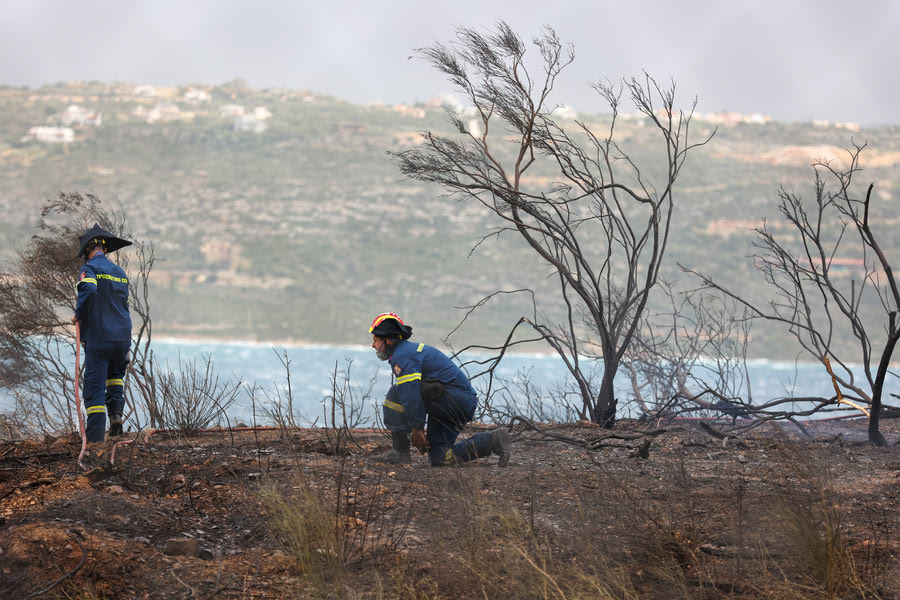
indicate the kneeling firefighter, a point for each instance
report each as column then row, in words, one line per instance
column 428, row 385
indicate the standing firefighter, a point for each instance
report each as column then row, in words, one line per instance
column 428, row 385
column 102, row 314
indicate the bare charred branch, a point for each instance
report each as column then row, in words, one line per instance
column 818, row 309
column 602, row 225
column 37, row 301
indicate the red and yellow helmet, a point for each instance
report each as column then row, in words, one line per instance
column 389, row 325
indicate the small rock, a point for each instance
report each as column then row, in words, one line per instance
column 115, row 489
column 206, row 554
column 182, row 547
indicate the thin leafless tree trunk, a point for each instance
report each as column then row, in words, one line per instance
column 572, row 193
column 823, row 312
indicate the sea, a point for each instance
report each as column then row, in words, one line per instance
column 317, row 374
column 316, row 370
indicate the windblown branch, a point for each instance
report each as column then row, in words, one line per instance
column 602, row 228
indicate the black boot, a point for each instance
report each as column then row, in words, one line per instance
column 399, row 452
column 500, row 445
column 115, row 426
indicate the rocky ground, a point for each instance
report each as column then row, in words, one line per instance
column 664, row 511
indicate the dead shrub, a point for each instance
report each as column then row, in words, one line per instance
column 325, row 531
column 306, row 531
column 194, row 396
column 505, row 556
column 810, row 522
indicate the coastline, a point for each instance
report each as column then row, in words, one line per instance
column 291, row 343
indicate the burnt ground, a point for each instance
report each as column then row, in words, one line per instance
column 697, row 517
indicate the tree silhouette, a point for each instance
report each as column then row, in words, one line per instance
column 578, row 199
column 822, row 305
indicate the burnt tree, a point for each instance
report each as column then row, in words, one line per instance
column 579, row 200
column 838, row 317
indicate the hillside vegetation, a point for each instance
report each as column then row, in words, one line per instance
column 278, row 214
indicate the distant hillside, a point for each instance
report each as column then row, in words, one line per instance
column 278, row 215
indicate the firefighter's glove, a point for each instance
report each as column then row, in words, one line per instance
column 418, row 440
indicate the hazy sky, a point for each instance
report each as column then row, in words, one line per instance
column 793, row 60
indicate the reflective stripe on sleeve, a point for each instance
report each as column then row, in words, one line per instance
column 408, row 378
column 85, row 280
column 394, row 406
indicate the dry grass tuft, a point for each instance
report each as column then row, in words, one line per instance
column 811, row 525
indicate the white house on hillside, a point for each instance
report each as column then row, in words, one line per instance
column 51, row 135
column 78, row 116
column 195, row 96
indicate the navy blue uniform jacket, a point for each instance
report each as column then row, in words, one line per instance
column 411, row 362
column 102, row 306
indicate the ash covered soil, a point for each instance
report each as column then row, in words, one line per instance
column 184, row 517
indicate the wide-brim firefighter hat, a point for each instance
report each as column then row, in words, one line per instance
column 97, row 234
column 389, row 325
